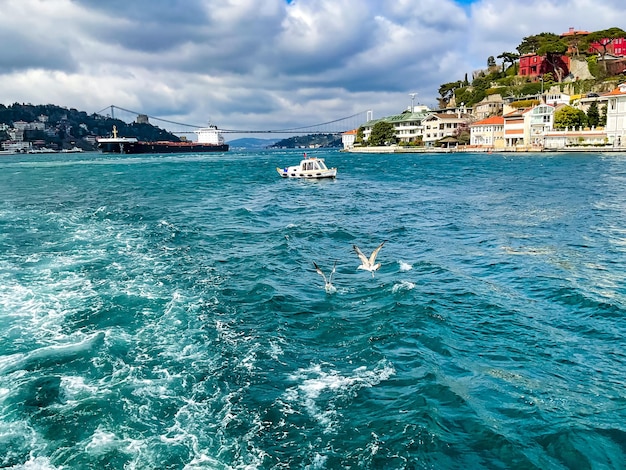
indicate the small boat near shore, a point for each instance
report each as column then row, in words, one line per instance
column 309, row 168
column 42, row 150
column 72, row 150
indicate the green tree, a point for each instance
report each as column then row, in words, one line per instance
column 599, row 41
column 530, row 44
column 359, row 135
column 593, row 114
column 508, row 58
column 553, row 48
column 569, row 117
column 446, row 91
column 382, row 134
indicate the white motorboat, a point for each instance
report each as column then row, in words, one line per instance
column 309, row 168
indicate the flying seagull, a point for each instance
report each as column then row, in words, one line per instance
column 328, row 286
column 368, row 264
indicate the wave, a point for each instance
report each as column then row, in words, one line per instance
column 51, row 355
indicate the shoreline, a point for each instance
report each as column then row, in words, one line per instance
column 397, row 149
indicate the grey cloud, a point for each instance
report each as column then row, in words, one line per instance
column 244, row 63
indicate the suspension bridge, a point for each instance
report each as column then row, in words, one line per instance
column 336, row 126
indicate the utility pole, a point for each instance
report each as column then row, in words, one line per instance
column 412, row 95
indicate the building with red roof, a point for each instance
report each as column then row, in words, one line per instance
column 488, row 133
column 616, row 116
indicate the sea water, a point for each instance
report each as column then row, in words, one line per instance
column 163, row 312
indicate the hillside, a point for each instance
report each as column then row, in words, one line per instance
column 575, row 62
column 251, row 143
column 62, row 127
column 309, row 141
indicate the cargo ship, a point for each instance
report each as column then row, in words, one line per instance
column 210, row 139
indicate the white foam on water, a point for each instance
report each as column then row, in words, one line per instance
column 319, row 391
column 74, row 388
column 402, row 286
column 36, row 303
column 319, row 461
column 404, row 266
column 20, row 439
column 275, row 350
column 102, row 442
column 37, row 463
column 53, row 354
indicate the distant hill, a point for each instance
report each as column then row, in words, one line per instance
column 311, row 140
column 251, row 143
column 64, row 128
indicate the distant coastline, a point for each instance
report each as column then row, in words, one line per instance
column 469, row 149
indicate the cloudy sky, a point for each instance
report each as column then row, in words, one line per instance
column 264, row 64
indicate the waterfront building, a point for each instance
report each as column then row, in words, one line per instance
column 407, row 125
column 562, row 138
column 515, row 128
column 526, row 127
column 11, row 146
column 488, row 133
column 541, row 121
column 438, row 126
column 616, row 116
column 348, row 138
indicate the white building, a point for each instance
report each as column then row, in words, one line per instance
column 526, row 127
column 541, row 121
column 440, row 125
column 408, row 126
column 515, row 128
column 488, row 133
column 562, row 138
column 348, row 138
column 616, row 116
column 556, row 98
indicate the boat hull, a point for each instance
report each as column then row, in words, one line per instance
column 160, row 147
column 296, row 172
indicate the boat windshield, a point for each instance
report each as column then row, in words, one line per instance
column 313, row 165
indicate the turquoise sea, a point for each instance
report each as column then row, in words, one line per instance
column 163, row 312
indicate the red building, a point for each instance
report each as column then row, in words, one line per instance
column 615, row 48
column 533, row 65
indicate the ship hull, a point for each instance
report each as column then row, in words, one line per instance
column 160, row 147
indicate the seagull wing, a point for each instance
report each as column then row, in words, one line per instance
column 375, row 253
column 319, row 271
column 364, row 259
column 330, row 278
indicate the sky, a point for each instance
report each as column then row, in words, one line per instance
column 264, row 64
